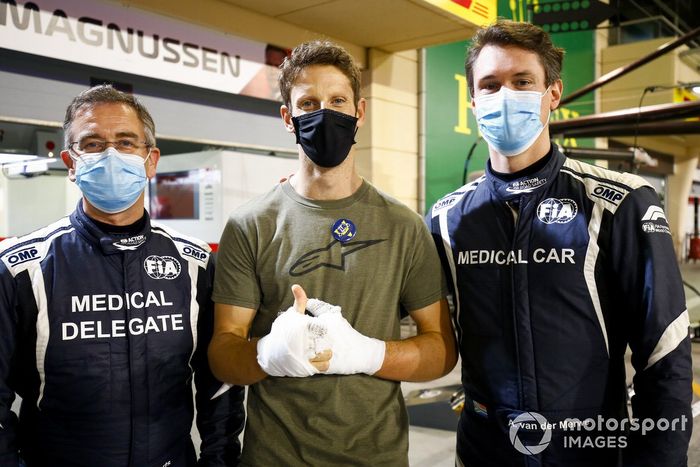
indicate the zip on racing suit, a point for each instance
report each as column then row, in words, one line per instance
column 100, row 337
column 553, row 274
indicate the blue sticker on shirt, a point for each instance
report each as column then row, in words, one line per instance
column 343, row 230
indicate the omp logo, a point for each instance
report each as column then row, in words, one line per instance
column 654, row 213
column 446, row 201
column 194, row 252
column 557, row 211
column 22, row 256
column 607, row 193
column 161, row 267
column 532, row 423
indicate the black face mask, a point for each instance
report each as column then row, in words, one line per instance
column 325, row 135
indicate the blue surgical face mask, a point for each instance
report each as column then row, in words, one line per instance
column 111, row 181
column 509, row 120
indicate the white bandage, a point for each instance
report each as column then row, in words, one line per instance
column 352, row 351
column 292, row 341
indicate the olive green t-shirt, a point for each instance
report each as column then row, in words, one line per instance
column 367, row 253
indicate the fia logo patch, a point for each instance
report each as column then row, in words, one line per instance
column 557, row 211
column 161, row 267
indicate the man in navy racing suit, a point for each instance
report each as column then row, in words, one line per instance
column 105, row 316
column 555, row 267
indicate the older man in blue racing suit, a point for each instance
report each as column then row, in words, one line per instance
column 105, row 316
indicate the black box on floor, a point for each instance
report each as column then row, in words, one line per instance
column 431, row 408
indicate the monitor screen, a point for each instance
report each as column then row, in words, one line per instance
column 175, row 195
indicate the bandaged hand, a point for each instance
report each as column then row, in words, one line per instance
column 290, row 345
column 352, row 352
column 296, row 345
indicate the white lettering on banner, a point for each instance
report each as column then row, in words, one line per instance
column 113, row 302
column 136, row 326
column 501, row 257
column 131, row 41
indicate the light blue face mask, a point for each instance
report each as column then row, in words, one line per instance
column 111, row 181
column 509, row 120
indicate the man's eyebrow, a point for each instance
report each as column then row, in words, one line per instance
column 306, row 96
column 88, row 135
column 121, row 134
column 518, row 75
column 126, row 134
column 524, row 73
column 487, row 77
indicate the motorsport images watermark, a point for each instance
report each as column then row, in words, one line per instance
column 528, row 427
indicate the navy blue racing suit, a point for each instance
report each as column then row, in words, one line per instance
column 102, row 335
column 553, row 274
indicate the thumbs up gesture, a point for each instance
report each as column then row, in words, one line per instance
column 295, row 345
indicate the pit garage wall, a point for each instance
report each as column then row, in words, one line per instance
column 450, row 128
column 39, row 89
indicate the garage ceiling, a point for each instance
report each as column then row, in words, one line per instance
column 391, row 25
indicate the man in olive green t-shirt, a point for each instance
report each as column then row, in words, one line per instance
column 347, row 243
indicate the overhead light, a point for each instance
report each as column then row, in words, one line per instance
column 26, row 168
column 693, row 87
column 10, row 157
column 23, row 165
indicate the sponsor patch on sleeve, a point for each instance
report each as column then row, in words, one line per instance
column 608, row 193
column 446, row 202
column 654, row 221
column 20, row 256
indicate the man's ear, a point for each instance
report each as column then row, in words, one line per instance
column 361, row 111
column 152, row 163
column 557, row 89
column 286, row 114
column 68, row 162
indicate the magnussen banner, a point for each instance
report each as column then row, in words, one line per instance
column 141, row 43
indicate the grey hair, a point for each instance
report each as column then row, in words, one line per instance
column 106, row 94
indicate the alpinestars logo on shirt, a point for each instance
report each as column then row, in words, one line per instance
column 331, row 256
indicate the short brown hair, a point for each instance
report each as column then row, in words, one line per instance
column 317, row 53
column 526, row 36
column 106, row 94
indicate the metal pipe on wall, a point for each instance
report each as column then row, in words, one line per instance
column 623, row 70
column 631, row 117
